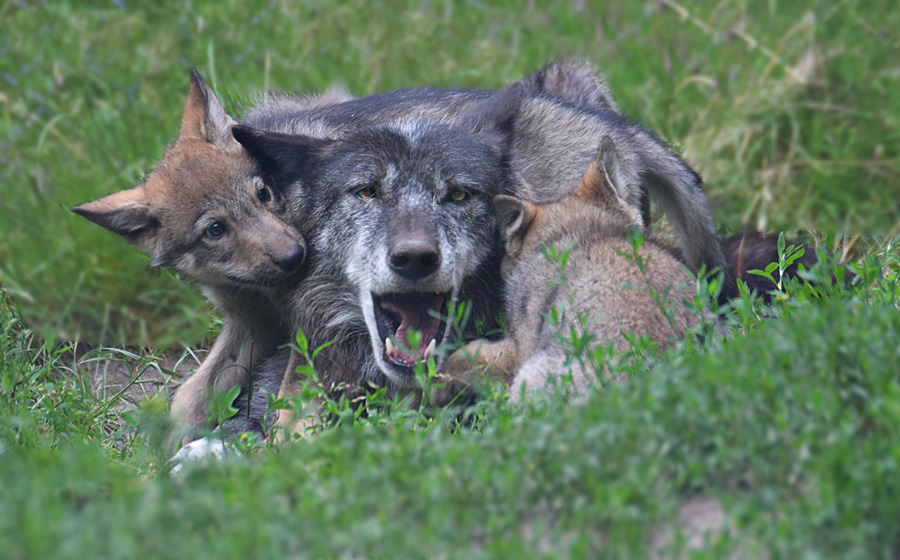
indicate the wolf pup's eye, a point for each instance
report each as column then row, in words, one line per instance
column 264, row 194
column 215, row 230
column 367, row 193
column 458, row 195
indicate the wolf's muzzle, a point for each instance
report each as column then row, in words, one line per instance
column 290, row 260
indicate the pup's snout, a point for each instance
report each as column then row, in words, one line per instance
column 414, row 257
column 290, row 260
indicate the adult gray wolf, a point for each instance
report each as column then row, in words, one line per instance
column 547, row 143
column 598, row 290
column 401, row 229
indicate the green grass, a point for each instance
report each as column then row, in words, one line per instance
column 787, row 417
column 791, row 427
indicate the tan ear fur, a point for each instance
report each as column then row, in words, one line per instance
column 514, row 218
column 126, row 213
column 192, row 119
column 594, row 187
column 531, row 213
column 598, row 184
column 204, row 118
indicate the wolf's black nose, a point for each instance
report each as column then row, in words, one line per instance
column 414, row 258
column 291, row 260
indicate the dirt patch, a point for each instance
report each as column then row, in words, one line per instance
column 131, row 374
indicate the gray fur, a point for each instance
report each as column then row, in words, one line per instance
column 580, row 83
column 552, row 140
column 253, row 413
column 326, row 303
column 592, row 223
column 416, row 167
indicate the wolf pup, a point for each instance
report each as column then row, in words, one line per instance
column 600, row 284
column 205, row 213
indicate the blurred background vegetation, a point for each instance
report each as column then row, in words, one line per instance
column 790, row 110
column 787, row 426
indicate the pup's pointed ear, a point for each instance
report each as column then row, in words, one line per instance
column 497, row 113
column 126, row 213
column 604, row 184
column 204, row 117
column 514, row 216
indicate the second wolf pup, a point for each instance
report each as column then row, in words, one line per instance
column 601, row 289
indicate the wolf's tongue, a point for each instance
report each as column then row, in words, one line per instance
column 418, row 318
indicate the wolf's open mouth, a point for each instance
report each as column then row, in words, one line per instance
column 397, row 314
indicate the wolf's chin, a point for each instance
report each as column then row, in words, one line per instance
column 263, row 281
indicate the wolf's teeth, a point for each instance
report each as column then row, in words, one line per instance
column 389, row 346
column 429, row 351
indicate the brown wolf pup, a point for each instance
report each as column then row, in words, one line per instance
column 598, row 288
column 205, row 213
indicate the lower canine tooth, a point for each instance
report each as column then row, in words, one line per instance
column 429, row 351
column 389, row 346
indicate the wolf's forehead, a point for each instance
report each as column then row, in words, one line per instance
column 419, row 149
column 200, row 173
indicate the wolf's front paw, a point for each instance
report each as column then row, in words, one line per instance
column 200, row 450
column 448, row 390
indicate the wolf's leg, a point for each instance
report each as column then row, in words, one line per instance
column 483, row 359
column 234, row 354
column 478, row 360
column 190, row 405
column 287, row 424
column 289, row 388
column 544, row 371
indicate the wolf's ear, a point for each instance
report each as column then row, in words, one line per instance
column 604, row 183
column 126, row 213
column 283, row 157
column 204, row 117
column 514, row 216
column 497, row 113
column 579, row 82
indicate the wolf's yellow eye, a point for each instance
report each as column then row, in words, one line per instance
column 458, row 195
column 215, row 230
column 366, row 194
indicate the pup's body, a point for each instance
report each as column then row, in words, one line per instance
column 598, row 291
column 205, row 213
